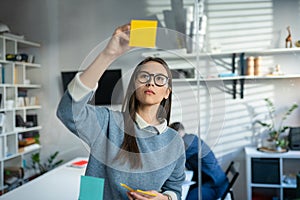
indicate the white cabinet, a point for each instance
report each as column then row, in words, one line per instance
column 19, row 94
column 271, row 175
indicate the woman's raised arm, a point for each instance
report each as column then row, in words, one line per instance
column 117, row 45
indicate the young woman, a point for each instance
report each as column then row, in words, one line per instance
column 135, row 146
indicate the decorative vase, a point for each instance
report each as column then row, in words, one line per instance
column 269, row 144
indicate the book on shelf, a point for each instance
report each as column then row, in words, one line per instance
column 227, row 75
column 22, row 92
column 15, row 76
column 29, row 134
column 2, row 74
column 26, row 141
column 27, row 148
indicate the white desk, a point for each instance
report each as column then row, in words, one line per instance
column 61, row 183
column 187, row 183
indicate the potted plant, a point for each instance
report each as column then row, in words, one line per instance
column 46, row 166
column 275, row 127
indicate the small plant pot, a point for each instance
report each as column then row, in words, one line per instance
column 269, row 144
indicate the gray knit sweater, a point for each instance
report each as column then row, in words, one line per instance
column 162, row 154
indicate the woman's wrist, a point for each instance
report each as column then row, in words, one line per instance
column 168, row 196
column 109, row 54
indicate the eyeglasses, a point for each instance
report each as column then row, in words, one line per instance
column 145, row 77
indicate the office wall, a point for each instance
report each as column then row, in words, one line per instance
column 68, row 31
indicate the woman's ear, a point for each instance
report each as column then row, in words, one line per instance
column 168, row 92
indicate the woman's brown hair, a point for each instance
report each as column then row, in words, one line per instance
column 129, row 148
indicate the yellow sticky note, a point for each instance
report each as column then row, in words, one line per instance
column 143, row 33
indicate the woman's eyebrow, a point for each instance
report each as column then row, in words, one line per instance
column 153, row 73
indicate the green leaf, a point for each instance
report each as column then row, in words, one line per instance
column 44, row 167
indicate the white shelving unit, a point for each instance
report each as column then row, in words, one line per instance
column 181, row 53
column 16, row 79
column 179, row 60
column 266, row 174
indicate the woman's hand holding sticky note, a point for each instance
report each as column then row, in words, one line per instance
column 143, row 33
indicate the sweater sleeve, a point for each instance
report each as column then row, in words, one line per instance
column 78, row 90
column 84, row 120
column 175, row 181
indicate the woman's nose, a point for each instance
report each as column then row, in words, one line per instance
column 151, row 81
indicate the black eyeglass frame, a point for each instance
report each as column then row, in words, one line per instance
column 154, row 78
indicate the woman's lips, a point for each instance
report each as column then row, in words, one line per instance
column 149, row 92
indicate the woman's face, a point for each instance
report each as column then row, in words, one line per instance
column 152, row 91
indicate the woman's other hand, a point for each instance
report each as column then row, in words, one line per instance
column 141, row 196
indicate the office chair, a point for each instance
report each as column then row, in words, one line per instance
column 232, row 174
